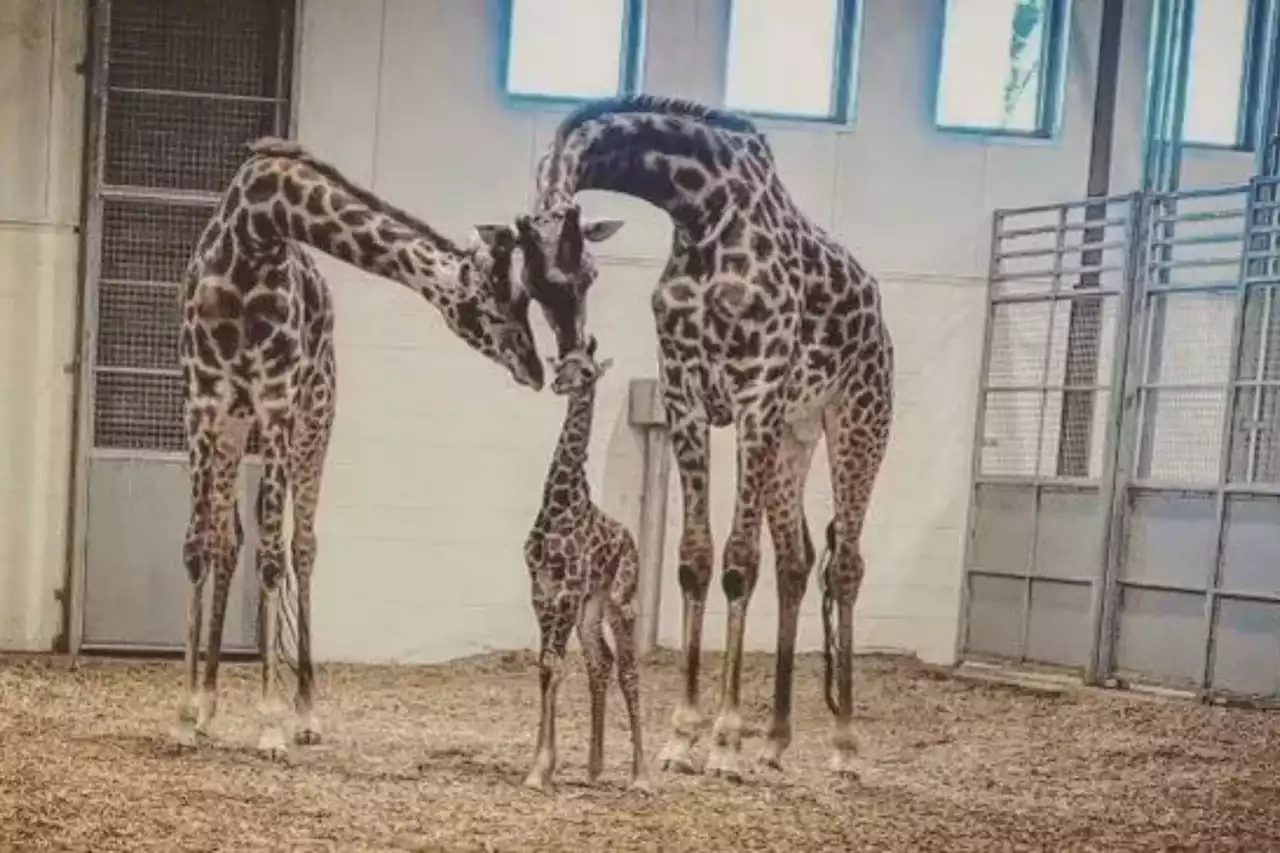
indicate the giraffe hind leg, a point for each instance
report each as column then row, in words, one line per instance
column 856, row 443
column 599, row 663
column 310, row 447
column 212, row 545
column 272, row 565
column 620, row 608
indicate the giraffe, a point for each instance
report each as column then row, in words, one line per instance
column 765, row 322
column 583, row 566
column 256, row 348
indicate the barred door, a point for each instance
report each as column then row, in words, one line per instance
column 178, row 88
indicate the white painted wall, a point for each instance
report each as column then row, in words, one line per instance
column 41, row 104
column 438, row 460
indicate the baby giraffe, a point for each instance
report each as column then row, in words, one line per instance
column 583, row 567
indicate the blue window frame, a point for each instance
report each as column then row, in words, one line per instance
column 792, row 59
column 1223, row 73
column 570, row 50
column 1001, row 67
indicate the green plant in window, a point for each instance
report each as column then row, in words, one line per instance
column 1028, row 17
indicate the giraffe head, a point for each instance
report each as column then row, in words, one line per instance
column 579, row 370
column 559, row 268
column 492, row 313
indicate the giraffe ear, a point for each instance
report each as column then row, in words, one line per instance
column 603, row 366
column 598, row 230
column 499, row 236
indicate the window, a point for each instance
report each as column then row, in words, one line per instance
column 570, row 49
column 1000, row 66
column 791, row 58
column 1217, row 74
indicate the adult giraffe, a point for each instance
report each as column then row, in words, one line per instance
column 764, row 321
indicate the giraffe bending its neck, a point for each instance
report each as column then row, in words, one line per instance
column 256, row 348
column 764, row 321
column 583, row 565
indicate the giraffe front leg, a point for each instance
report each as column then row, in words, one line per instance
column 741, row 568
column 229, row 543
column 556, row 618
column 622, row 622
column 689, row 443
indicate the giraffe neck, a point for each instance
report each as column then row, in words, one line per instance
column 282, row 193
column 690, row 161
column 566, row 486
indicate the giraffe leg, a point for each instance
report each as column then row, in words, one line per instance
column 622, row 624
column 271, row 558
column 855, row 446
column 555, row 617
column 599, row 661
column 793, row 558
column 689, row 443
column 756, row 460
column 212, row 544
column 311, row 445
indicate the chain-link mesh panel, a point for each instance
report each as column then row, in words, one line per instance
column 149, row 240
column 181, row 143
column 1260, row 338
column 227, row 47
column 188, row 83
column 138, row 411
column 138, row 326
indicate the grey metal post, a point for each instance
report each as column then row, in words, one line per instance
column 646, row 413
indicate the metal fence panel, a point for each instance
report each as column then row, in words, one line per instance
column 1057, row 320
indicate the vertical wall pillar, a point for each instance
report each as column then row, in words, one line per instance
column 646, row 413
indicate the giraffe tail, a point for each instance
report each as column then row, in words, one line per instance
column 828, row 605
column 285, row 643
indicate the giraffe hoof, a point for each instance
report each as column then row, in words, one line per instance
column 642, row 785
column 725, row 763
column 537, row 781
column 272, row 746
column 184, row 735
column 770, row 757
column 307, row 737
column 847, row 765
column 677, row 757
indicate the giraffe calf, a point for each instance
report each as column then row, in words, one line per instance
column 583, row 566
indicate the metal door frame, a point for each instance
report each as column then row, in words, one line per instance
column 96, row 65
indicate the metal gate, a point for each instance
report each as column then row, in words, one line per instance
column 177, row 89
column 1133, row 536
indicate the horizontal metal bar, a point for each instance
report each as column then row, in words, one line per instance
column 1008, row 212
column 1195, row 263
column 137, row 282
column 1065, row 272
column 1224, row 387
column 168, row 457
column 138, row 371
column 176, row 93
column 1054, row 484
column 1087, row 225
column 1029, row 576
column 1183, row 589
column 1038, row 389
column 1201, row 240
column 1053, row 295
column 1219, row 286
column 1063, row 251
column 1195, row 216
column 1203, row 192
column 1208, row 490
column 189, row 198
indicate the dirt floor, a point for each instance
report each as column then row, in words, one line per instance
column 431, row 758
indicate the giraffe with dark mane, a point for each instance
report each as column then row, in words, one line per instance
column 765, row 322
column 257, row 351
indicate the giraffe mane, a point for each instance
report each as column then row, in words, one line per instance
column 656, row 105
column 288, row 149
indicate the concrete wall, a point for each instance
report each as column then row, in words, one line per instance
column 437, row 460
column 41, row 107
